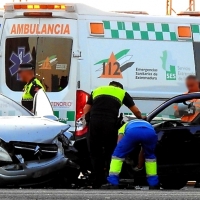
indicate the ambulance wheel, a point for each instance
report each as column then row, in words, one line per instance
column 174, row 183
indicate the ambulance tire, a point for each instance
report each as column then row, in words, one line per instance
column 174, row 183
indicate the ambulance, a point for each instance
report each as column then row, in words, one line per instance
column 77, row 48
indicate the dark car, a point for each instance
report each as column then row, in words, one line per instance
column 178, row 148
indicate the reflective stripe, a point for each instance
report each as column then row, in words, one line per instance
column 122, row 129
column 28, row 99
column 151, row 167
column 117, row 158
column 150, row 160
column 151, row 175
column 113, row 173
column 116, row 92
column 116, row 166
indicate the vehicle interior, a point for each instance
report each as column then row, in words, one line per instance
column 177, row 114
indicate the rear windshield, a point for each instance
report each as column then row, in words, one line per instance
column 51, row 56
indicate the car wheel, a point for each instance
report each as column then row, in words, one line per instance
column 175, row 183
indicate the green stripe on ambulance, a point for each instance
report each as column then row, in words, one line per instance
column 70, row 116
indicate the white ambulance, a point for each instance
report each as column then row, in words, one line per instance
column 77, row 48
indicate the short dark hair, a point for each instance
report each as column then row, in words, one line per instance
column 116, row 84
column 191, row 77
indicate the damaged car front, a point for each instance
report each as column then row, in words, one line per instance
column 33, row 148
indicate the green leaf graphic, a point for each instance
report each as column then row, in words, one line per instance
column 121, row 53
column 101, row 61
column 50, row 58
column 164, row 60
column 117, row 56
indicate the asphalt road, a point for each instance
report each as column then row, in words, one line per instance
column 29, row 194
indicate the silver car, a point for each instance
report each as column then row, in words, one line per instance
column 34, row 148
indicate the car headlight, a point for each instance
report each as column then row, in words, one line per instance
column 4, row 155
column 68, row 135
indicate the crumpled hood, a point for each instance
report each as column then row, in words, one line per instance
column 29, row 129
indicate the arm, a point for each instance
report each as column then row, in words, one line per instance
column 120, row 136
column 136, row 112
column 128, row 102
column 86, row 109
column 34, row 89
column 141, row 159
column 88, row 105
column 121, row 132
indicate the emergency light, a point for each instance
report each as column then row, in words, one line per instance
column 33, row 6
column 26, row 6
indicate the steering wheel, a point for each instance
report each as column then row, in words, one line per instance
column 171, row 123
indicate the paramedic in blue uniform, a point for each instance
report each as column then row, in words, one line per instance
column 130, row 135
column 103, row 105
column 26, row 74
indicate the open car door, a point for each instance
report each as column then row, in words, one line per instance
column 42, row 106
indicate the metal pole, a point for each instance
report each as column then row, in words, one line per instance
column 168, row 7
column 191, row 5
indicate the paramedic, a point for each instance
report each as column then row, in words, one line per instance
column 130, row 135
column 192, row 85
column 26, row 74
column 104, row 104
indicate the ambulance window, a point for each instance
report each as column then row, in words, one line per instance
column 51, row 56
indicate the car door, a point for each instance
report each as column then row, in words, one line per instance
column 178, row 141
column 41, row 104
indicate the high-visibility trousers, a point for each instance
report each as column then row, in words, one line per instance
column 134, row 136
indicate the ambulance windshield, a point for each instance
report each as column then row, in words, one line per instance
column 51, row 56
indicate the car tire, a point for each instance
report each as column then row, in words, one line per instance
column 175, row 183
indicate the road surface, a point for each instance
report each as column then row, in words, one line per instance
column 30, row 194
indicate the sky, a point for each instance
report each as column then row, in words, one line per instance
column 154, row 7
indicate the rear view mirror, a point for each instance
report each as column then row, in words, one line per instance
column 186, row 108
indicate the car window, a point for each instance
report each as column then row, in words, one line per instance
column 168, row 113
column 50, row 55
column 183, row 111
column 9, row 107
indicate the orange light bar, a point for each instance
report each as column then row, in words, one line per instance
column 184, row 32
column 97, row 28
column 37, row 6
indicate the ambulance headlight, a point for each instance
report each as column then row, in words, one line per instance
column 4, row 155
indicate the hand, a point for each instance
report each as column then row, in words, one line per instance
column 144, row 118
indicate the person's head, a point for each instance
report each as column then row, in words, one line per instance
column 192, row 83
column 26, row 72
column 116, row 84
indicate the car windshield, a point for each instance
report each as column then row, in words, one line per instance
column 9, row 107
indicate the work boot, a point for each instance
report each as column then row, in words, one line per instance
column 157, row 187
column 109, row 186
